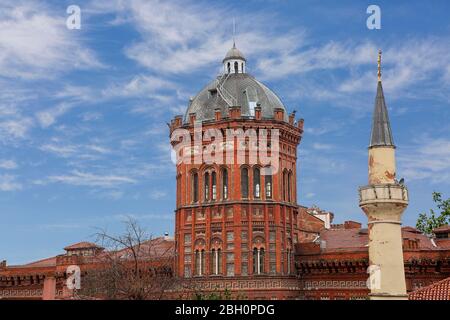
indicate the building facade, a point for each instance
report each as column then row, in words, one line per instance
column 238, row 226
column 236, row 217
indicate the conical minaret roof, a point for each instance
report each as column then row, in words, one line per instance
column 381, row 128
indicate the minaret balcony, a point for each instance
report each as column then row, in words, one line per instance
column 383, row 193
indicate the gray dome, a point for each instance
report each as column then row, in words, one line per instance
column 234, row 53
column 248, row 93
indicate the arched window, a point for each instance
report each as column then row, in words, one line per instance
column 195, row 187
column 213, row 185
column 268, row 181
column 236, row 67
column 289, row 261
column 225, row 184
column 258, row 260
column 289, row 186
column 284, row 185
column 216, row 261
column 199, row 262
column 261, row 260
column 178, row 190
column 242, row 67
column 256, row 183
column 206, row 186
column 244, row 183
column 229, row 67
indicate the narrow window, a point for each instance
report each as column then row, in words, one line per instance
column 256, row 183
column 229, row 67
column 198, row 263
column 236, row 67
column 255, row 261
column 219, row 261
column 203, row 262
column 214, row 183
column 284, row 186
column 261, row 260
column 258, row 260
column 225, row 184
column 244, row 182
column 289, row 187
column 289, row 261
column 206, row 186
column 214, row 262
column 195, row 187
column 179, row 190
column 268, row 180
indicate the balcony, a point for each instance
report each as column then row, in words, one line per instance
column 383, row 193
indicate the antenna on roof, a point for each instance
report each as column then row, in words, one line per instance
column 234, row 33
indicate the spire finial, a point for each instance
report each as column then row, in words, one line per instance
column 234, row 33
column 379, row 65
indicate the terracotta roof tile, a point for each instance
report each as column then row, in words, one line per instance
column 436, row 291
column 82, row 245
column 48, row 262
column 445, row 228
column 356, row 238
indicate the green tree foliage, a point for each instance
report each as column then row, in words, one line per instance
column 426, row 223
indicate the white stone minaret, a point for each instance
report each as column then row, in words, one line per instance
column 383, row 200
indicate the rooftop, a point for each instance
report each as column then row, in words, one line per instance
column 436, row 291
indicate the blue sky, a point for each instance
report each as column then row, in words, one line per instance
column 83, row 135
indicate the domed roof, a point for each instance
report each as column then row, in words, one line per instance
column 247, row 92
column 234, row 53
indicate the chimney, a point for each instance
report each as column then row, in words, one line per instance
column 300, row 123
column 192, row 118
column 279, row 114
column 235, row 112
column 258, row 115
column 292, row 118
column 218, row 114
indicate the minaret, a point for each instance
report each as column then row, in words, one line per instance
column 383, row 200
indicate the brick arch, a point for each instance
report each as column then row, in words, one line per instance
column 216, row 243
column 258, row 242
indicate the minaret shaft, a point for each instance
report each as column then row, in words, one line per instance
column 383, row 200
column 382, row 165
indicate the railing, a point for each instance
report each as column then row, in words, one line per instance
column 224, row 93
column 383, row 192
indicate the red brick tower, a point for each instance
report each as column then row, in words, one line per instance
column 233, row 220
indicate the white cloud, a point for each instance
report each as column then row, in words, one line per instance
column 177, row 37
column 88, row 151
column 14, row 129
column 158, row 195
column 91, row 116
column 48, row 117
column 35, row 43
column 8, row 164
column 428, row 159
column 322, row 146
column 141, row 85
column 9, row 183
column 78, row 178
column 310, row 195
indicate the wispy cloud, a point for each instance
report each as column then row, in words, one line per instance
column 322, row 146
column 35, row 42
column 8, row 164
column 88, row 151
column 15, row 129
column 428, row 159
column 9, row 183
column 78, row 178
